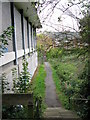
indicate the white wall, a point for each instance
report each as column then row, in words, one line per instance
column 25, row 34
column 33, row 63
column 7, row 61
column 18, row 29
column 6, row 21
column 0, row 17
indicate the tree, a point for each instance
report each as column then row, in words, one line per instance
column 85, row 28
column 45, row 42
column 82, row 7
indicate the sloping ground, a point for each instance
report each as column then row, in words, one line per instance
column 59, row 113
column 55, row 110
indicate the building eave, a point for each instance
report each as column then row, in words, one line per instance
column 30, row 12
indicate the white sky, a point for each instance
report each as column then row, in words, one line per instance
column 53, row 20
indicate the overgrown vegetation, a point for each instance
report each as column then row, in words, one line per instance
column 22, row 83
column 63, row 99
column 70, row 64
column 44, row 44
column 5, row 83
column 70, row 73
column 15, row 112
column 38, row 87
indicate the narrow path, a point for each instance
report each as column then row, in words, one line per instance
column 54, row 110
column 51, row 97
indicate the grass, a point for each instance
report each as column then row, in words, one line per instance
column 38, row 85
column 38, row 88
column 65, row 74
column 62, row 97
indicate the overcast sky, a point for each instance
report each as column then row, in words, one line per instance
column 66, row 20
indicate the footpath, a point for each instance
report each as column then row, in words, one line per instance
column 55, row 111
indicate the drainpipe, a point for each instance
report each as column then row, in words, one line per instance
column 31, row 37
column 14, row 33
column 22, row 24
column 35, row 40
column 28, row 35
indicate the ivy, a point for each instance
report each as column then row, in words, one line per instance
column 5, row 83
column 4, row 37
column 21, row 84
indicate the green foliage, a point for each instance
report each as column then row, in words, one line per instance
column 38, row 87
column 14, row 78
column 5, row 83
column 62, row 97
column 84, row 76
column 44, row 41
column 4, row 37
column 44, row 44
column 85, row 28
column 71, row 76
column 40, row 54
column 21, row 84
column 15, row 112
column 54, row 53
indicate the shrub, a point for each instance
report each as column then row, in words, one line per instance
column 21, row 84
column 55, row 53
column 73, row 78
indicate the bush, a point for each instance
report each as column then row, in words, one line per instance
column 22, row 83
column 55, row 53
column 73, row 78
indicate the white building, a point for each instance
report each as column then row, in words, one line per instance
column 23, row 16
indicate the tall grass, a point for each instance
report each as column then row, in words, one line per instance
column 62, row 97
column 70, row 73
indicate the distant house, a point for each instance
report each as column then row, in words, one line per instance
column 23, row 16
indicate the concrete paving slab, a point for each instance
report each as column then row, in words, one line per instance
column 60, row 114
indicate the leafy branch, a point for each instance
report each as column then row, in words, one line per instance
column 21, row 84
column 4, row 37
